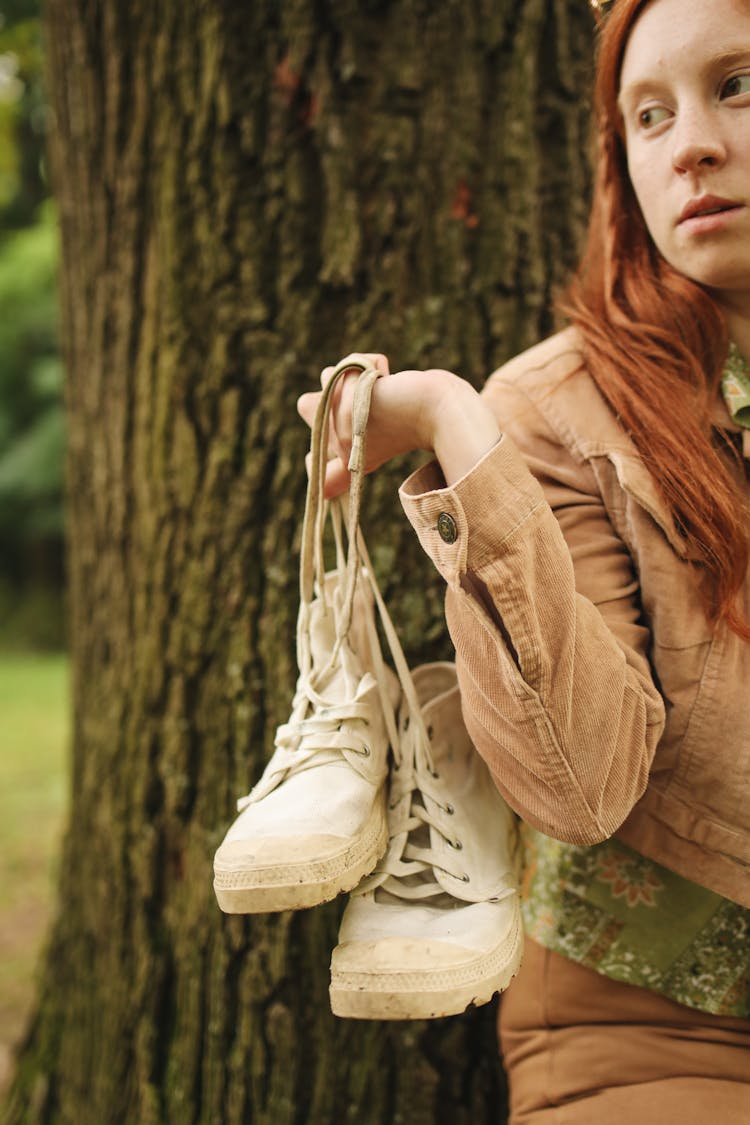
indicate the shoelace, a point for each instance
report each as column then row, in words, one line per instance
column 408, row 868
column 311, row 741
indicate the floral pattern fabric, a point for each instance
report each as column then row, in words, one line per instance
column 613, row 910
column 735, row 386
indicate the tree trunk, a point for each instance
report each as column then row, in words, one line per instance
column 246, row 193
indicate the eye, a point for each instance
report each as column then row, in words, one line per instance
column 651, row 116
column 735, row 86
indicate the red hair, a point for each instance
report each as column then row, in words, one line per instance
column 655, row 344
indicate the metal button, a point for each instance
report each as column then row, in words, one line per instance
column 447, row 529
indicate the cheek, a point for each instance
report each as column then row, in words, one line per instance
column 649, row 197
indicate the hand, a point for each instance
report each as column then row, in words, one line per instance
column 431, row 410
column 394, row 425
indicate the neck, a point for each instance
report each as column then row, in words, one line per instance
column 739, row 331
column 738, row 322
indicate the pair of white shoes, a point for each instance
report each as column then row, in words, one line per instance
column 375, row 788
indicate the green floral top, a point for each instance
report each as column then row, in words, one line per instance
column 614, row 911
column 622, row 915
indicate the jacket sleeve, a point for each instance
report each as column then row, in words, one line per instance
column 542, row 606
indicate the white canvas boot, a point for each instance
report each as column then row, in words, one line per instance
column 437, row 927
column 315, row 823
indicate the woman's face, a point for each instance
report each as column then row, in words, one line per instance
column 685, row 102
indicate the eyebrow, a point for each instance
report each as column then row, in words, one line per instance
column 729, row 58
column 720, row 61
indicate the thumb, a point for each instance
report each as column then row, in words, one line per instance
column 307, row 405
column 338, row 478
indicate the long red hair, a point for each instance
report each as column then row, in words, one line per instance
column 655, row 343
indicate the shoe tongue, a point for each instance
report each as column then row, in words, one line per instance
column 453, row 758
column 333, row 592
column 341, row 680
column 322, row 632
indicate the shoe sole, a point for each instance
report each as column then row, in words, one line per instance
column 427, row 995
column 267, row 890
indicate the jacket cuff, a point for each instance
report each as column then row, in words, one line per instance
column 463, row 527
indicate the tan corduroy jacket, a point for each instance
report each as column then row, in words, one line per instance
column 592, row 684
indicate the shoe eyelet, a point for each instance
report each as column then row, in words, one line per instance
column 465, row 878
column 449, row 809
column 365, row 751
column 456, row 845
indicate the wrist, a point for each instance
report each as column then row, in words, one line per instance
column 462, row 427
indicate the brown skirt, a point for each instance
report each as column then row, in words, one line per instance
column 581, row 1049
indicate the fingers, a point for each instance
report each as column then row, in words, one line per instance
column 337, row 478
column 307, row 403
column 358, row 360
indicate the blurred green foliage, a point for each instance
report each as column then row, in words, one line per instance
column 24, row 114
column 31, row 416
column 32, row 427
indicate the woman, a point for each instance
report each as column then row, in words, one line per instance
column 596, row 555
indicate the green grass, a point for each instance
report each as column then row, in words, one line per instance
column 34, row 735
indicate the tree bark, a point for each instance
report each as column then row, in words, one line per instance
column 246, row 193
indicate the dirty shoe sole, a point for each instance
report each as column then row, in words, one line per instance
column 259, row 890
column 417, row 995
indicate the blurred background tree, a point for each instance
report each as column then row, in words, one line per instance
column 32, row 428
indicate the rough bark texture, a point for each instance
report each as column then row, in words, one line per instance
column 248, row 191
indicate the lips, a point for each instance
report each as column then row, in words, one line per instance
column 706, row 205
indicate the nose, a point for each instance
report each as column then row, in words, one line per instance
column 697, row 141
